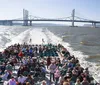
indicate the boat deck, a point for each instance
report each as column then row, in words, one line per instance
column 52, row 51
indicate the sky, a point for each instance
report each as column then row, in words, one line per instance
column 13, row 9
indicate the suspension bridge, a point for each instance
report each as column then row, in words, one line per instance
column 28, row 19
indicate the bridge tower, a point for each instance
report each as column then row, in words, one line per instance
column 73, row 17
column 25, row 17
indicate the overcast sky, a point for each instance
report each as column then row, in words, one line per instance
column 12, row 9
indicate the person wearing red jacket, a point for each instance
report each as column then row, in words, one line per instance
column 20, row 55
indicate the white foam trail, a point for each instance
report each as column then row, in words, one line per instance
column 5, row 36
column 20, row 38
column 36, row 35
column 7, row 33
column 82, row 58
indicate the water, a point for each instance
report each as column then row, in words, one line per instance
column 84, row 43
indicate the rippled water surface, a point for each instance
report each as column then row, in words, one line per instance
column 85, row 39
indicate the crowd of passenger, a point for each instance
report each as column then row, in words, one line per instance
column 44, row 64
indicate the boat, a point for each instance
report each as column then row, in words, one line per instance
column 37, row 56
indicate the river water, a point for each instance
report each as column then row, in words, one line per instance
column 85, row 39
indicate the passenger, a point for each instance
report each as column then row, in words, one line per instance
column 20, row 71
column 70, row 64
column 70, row 82
column 86, row 71
column 12, row 81
column 78, row 82
column 52, row 68
column 87, row 77
column 30, row 41
column 48, row 61
column 81, row 76
column 37, row 71
column 74, row 75
column 3, row 68
column 44, row 82
column 27, row 83
column 21, row 79
column 5, row 76
column 43, row 69
column 20, row 55
column 64, row 60
column 57, row 75
column 85, row 82
column 42, row 40
column 24, row 61
column 65, row 82
column 9, row 67
column 30, row 80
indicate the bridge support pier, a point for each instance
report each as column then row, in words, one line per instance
column 11, row 23
column 25, row 23
column 94, row 25
column 3, row 23
column 30, row 23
